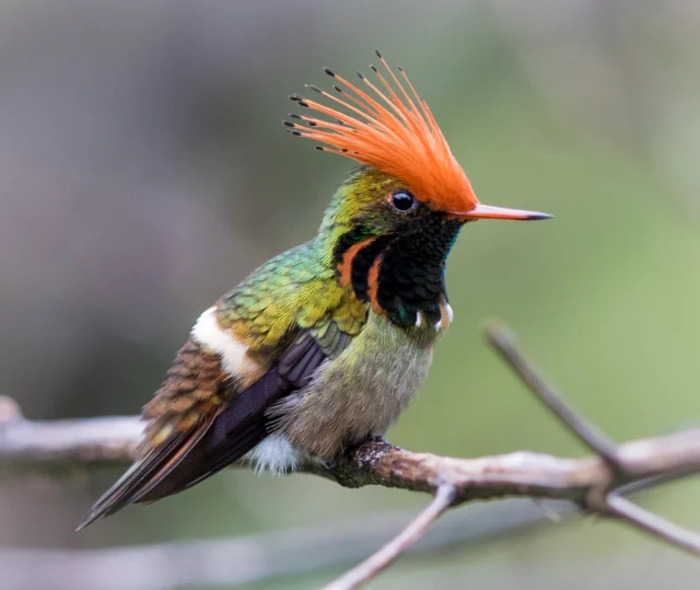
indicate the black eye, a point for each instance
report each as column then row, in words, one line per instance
column 403, row 200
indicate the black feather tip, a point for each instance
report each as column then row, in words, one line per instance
column 298, row 99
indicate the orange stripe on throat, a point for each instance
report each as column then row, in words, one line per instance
column 373, row 283
column 345, row 265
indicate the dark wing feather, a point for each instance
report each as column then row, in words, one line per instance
column 144, row 474
column 215, row 435
column 235, row 431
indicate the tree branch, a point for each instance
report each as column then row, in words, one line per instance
column 32, row 445
column 380, row 560
column 503, row 340
column 594, row 483
column 653, row 524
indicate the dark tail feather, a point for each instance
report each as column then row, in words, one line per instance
column 144, row 475
column 208, row 458
column 181, row 463
column 236, row 430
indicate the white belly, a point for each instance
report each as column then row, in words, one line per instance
column 276, row 455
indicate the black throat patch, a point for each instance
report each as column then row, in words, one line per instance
column 407, row 268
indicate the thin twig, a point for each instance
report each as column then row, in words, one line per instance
column 639, row 485
column 374, row 564
column 503, row 340
column 653, row 524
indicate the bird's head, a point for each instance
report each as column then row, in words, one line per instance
column 406, row 204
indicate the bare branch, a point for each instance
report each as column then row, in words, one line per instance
column 653, row 524
column 34, row 444
column 503, row 340
column 27, row 445
column 374, row 564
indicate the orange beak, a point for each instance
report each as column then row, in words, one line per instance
column 490, row 212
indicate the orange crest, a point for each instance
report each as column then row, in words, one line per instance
column 389, row 127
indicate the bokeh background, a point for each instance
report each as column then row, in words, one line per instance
column 144, row 171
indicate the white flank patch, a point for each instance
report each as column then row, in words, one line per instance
column 274, row 454
column 419, row 318
column 438, row 325
column 450, row 313
column 234, row 359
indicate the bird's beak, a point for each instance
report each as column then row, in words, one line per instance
column 489, row 212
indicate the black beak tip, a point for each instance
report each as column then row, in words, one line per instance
column 537, row 216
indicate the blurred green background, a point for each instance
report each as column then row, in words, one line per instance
column 144, row 171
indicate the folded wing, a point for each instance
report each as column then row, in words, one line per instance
column 198, row 424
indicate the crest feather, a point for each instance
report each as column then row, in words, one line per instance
column 388, row 126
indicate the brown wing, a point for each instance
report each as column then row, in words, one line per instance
column 198, row 424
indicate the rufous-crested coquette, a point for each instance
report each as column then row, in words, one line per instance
column 323, row 346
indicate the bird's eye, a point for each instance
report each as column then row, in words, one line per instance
column 403, row 201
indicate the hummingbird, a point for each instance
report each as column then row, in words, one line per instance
column 323, row 346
